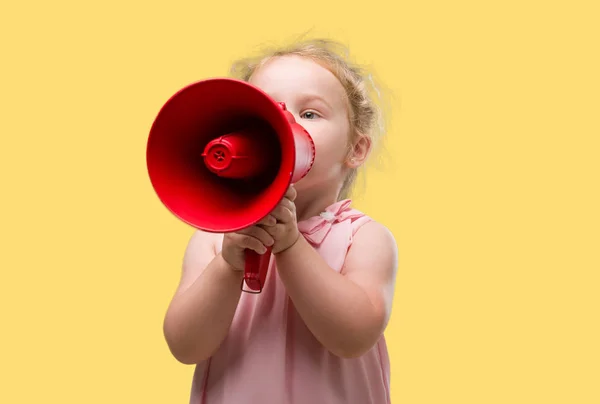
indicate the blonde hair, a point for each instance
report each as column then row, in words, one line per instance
column 364, row 113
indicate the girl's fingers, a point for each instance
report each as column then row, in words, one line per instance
column 285, row 211
column 276, row 231
column 250, row 243
column 291, row 193
column 288, row 203
column 260, row 234
column 282, row 214
column 269, row 220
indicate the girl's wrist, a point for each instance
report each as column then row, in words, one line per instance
column 291, row 246
column 227, row 268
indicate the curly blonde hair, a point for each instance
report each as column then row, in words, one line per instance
column 365, row 115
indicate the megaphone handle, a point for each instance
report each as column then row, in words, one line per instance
column 255, row 271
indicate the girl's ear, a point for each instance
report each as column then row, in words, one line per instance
column 359, row 151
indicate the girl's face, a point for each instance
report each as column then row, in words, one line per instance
column 318, row 101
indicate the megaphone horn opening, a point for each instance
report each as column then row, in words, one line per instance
column 244, row 125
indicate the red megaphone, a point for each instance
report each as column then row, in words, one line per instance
column 221, row 155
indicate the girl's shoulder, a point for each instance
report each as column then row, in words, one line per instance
column 367, row 228
column 361, row 221
column 343, row 212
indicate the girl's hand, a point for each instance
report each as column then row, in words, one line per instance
column 285, row 232
column 253, row 238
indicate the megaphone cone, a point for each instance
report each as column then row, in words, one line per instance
column 221, row 155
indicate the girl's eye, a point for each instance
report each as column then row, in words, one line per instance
column 309, row 115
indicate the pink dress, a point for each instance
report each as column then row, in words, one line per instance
column 271, row 357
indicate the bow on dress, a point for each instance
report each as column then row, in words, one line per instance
column 316, row 228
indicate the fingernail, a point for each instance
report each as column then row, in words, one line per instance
column 263, row 250
column 271, row 242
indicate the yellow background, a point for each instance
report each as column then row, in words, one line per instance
column 490, row 182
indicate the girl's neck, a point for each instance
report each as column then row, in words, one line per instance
column 312, row 204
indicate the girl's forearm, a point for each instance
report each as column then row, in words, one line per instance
column 198, row 320
column 337, row 311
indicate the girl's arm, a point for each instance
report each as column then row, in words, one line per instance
column 348, row 311
column 204, row 304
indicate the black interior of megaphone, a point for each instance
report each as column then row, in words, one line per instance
column 266, row 137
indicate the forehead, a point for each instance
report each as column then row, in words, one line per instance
column 285, row 75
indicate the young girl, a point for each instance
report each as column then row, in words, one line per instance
column 315, row 333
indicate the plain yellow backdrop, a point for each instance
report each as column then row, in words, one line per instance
column 489, row 180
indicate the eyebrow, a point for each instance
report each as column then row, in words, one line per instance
column 314, row 97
